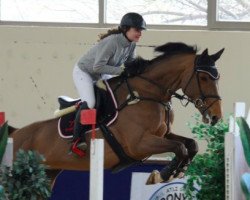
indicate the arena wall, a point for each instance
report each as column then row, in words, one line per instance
column 36, row 67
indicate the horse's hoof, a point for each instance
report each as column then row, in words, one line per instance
column 170, row 178
column 180, row 175
column 155, row 177
column 83, row 146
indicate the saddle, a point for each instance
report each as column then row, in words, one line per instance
column 107, row 112
column 106, row 108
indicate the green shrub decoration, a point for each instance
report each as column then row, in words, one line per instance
column 27, row 180
column 3, row 139
column 2, row 193
column 207, row 170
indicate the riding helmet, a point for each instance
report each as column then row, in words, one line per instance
column 133, row 20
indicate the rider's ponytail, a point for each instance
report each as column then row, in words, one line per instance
column 109, row 32
column 118, row 30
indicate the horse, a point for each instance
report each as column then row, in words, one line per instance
column 143, row 127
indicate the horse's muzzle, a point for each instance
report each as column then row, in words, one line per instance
column 212, row 120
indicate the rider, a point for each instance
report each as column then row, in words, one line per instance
column 114, row 48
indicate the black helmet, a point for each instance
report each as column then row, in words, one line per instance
column 133, row 20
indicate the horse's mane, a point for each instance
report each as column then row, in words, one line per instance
column 173, row 48
column 139, row 65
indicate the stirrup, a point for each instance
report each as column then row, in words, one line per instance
column 82, row 145
column 75, row 149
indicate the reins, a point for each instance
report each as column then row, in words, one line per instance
column 184, row 99
column 135, row 97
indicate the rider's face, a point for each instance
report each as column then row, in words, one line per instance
column 134, row 34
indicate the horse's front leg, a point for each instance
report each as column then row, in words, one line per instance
column 156, row 145
column 192, row 148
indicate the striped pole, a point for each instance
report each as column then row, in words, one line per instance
column 96, row 157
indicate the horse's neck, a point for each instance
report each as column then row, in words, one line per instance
column 169, row 72
column 164, row 74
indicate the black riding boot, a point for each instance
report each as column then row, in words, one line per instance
column 79, row 129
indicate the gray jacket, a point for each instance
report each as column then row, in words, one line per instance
column 107, row 56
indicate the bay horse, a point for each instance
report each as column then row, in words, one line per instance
column 143, row 128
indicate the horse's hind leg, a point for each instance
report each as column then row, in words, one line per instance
column 192, row 148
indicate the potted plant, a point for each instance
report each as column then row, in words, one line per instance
column 27, row 178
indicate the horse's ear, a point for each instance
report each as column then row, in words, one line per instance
column 217, row 55
column 204, row 53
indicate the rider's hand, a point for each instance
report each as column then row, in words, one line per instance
column 122, row 67
column 125, row 72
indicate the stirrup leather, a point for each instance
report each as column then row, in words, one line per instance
column 75, row 149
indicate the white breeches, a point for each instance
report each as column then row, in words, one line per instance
column 84, row 86
column 107, row 76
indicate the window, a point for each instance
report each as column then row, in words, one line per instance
column 229, row 14
column 160, row 12
column 73, row 11
column 234, row 10
column 174, row 14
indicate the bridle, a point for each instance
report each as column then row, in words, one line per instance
column 199, row 102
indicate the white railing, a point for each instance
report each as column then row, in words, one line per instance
column 96, row 169
column 8, row 155
column 235, row 163
column 96, row 156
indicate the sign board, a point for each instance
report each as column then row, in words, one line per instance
column 162, row 191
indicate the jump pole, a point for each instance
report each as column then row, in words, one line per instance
column 8, row 155
column 2, row 118
column 96, row 157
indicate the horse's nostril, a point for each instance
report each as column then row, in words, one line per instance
column 214, row 120
column 213, row 117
